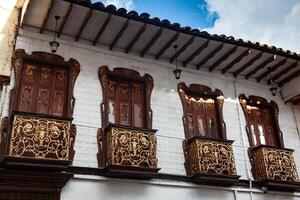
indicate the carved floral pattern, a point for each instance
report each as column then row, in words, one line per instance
column 209, row 156
column 128, row 147
column 40, row 138
column 274, row 164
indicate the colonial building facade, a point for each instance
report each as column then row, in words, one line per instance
column 104, row 117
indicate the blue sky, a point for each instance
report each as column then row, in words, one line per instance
column 193, row 13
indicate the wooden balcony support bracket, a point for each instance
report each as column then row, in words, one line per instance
column 127, row 151
column 210, row 161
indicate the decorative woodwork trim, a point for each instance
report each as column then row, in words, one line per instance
column 169, row 43
column 125, row 151
column 261, row 102
column 104, row 74
column 197, row 91
column 152, row 42
column 196, row 53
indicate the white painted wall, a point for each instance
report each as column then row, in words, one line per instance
column 167, row 114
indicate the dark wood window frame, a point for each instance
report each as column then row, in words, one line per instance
column 72, row 68
column 261, row 105
column 130, row 76
column 197, row 91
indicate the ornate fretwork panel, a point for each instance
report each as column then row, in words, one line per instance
column 273, row 164
column 205, row 156
column 17, row 195
column 40, row 138
column 121, row 146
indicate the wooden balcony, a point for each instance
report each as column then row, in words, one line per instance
column 210, row 161
column 127, row 151
column 274, row 167
column 37, row 140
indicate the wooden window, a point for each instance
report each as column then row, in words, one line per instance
column 202, row 111
column 262, row 121
column 126, row 97
column 44, row 84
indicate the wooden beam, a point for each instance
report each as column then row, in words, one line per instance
column 47, row 16
column 223, row 58
column 119, row 35
column 289, row 78
column 84, row 23
column 136, row 38
column 259, row 67
column 152, row 42
column 102, row 29
column 169, row 43
column 183, row 48
column 65, row 18
column 236, row 60
column 25, row 13
column 196, row 53
column 210, row 55
column 272, row 69
column 248, row 64
column 283, row 72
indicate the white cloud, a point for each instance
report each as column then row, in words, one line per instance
column 128, row 4
column 273, row 22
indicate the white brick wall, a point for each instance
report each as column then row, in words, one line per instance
column 165, row 102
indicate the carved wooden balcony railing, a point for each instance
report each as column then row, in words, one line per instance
column 127, row 151
column 274, row 167
column 28, row 139
column 210, row 161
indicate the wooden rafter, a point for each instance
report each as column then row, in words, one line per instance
column 235, row 61
column 119, row 35
column 223, row 58
column 272, row 69
column 136, row 38
column 210, row 55
column 289, row 78
column 64, row 20
column 183, row 48
column 196, row 53
column 152, row 42
column 259, row 67
column 283, row 72
column 84, row 23
column 25, row 13
column 46, row 16
column 169, row 43
column 248, row 64
column 102, row 29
